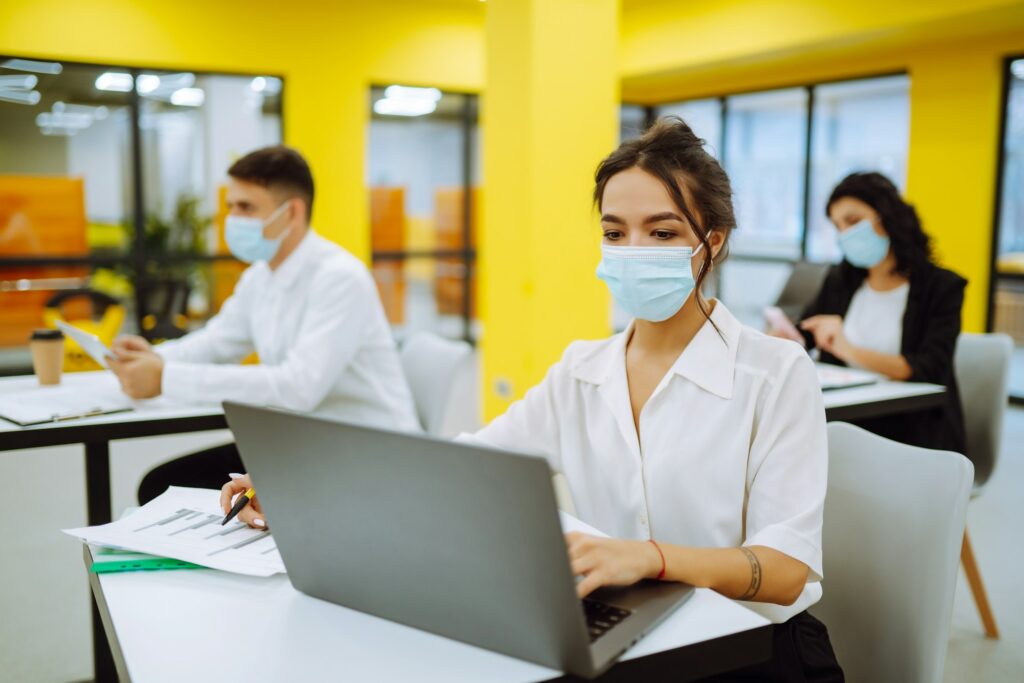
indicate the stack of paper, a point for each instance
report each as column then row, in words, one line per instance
column 48, row 404
column 839, row 377
column 185, row 524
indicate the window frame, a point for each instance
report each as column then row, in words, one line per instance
column 808, row 142
column 467, row 255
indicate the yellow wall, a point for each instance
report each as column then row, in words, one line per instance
column 329, row 53
column 545, row 130
column 952, row 50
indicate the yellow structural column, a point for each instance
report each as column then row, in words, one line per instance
column 549, row 115
column 951, row 170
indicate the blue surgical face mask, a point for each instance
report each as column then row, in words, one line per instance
column 649, row 283
column 862, row 246
column 244, row 235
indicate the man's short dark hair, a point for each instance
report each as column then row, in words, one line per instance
column 277, row 168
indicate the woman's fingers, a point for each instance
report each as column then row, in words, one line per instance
column 253, row 517
column 584, row 565
column 232, row 489
column 589, row 584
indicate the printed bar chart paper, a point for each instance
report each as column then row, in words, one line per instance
column 184, row 524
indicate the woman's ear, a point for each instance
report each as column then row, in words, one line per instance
column 716, row 240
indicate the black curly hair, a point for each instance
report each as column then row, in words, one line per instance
column 911, row 246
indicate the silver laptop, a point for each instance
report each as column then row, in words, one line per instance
column 458, row 540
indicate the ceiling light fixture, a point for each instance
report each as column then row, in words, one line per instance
column 20, row 96
column 188, row 97
column 147, row 83
column 410, row 93
column 268, row 85
column 115, row 81
column 398, row 106
column 18, row 82
column 52, row 68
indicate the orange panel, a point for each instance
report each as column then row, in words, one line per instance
column 387, row 233
column 448, row 287
column 39, row 216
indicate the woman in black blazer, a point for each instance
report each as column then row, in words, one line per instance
column 888, row 308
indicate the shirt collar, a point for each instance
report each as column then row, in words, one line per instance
column 289, row 271
column 709, row 360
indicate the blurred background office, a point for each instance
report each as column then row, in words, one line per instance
column 454, row 143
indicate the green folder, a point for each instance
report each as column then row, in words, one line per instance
column 109, row 560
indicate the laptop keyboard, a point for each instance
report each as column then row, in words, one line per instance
column 602, row 617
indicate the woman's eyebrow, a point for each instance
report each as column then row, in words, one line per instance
column 663, row 216
column 609, row 218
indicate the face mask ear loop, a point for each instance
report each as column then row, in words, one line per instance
column 278, row 212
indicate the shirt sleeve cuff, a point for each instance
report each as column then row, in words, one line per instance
column 788, row 542
column 179, row 381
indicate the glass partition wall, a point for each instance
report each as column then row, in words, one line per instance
column 784, row 150
column 111, row 193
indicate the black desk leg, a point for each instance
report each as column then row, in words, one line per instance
column 97, row 500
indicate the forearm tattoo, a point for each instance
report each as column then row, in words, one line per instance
column 755, row 575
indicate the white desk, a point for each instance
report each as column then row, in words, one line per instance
column 881, row 398
column 206, row 625
column 153, row 418
column 149, row 418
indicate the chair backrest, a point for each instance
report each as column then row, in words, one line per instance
column 800, row 289
column 982, row 367
column 439, row 372
column 894, row 525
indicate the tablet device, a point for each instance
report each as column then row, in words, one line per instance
column 90, row 343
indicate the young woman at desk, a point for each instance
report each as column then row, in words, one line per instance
column 888, row 308
column 697, row 443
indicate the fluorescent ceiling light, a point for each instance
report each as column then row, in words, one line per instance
column 53, row 119
column 114, row 81
column 97, row 113
column 408, row 93
column 34, row 66
column 395, row 106
column 18, row 82
column 268, row 85
column 188, row 97
column 68, row 119
column 20, row 96
column 147, row 83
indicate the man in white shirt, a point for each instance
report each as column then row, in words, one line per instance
column 307, row 307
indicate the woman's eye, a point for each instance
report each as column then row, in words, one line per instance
column 664, row 234
column 612, row 235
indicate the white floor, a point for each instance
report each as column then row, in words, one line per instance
column 44, row 608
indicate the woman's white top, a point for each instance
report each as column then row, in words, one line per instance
column 732, row 446
column 875, row 319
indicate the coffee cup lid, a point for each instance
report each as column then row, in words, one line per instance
column 44, row 335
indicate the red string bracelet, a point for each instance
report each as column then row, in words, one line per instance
column 661, row 574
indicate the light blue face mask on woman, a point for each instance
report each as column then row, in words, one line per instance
column 244, row 235
column 649, row 283
column 862, row 246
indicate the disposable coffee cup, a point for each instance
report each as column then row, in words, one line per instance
column 47, row 348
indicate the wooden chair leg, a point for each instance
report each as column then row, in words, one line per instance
column 988, row 619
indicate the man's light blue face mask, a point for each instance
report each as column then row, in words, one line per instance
column 862, row 246
column 244, row 235
column 649, row 283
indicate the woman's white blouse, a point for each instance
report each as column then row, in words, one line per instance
column 732, row 447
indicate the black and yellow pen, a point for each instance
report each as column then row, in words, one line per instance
column 239, row 505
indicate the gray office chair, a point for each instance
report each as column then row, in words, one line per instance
column 440, row 377
column 894, row 520
column 801, row 287
column 982, row 367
